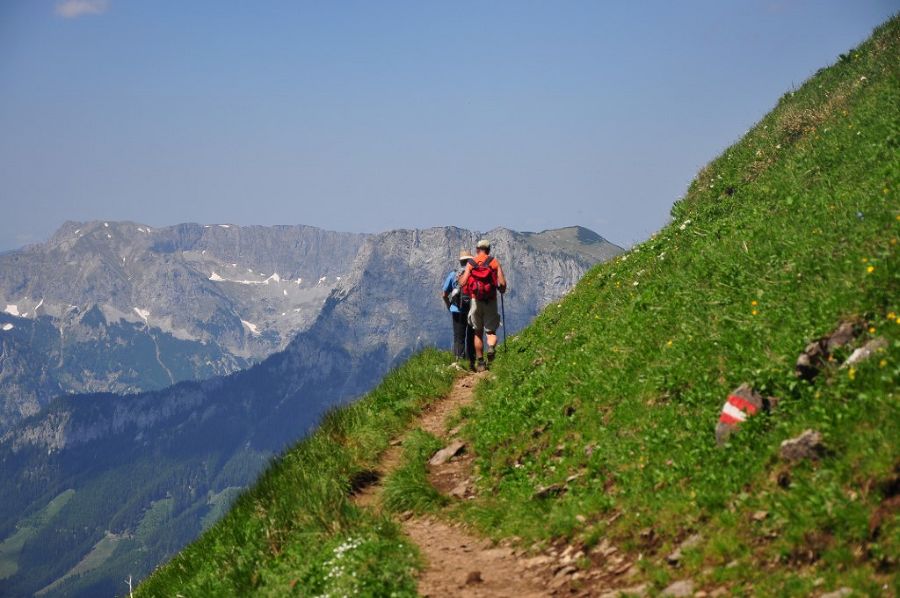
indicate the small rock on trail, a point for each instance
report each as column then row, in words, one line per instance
column 679, row 589
column 447, row 453
column 451, row 553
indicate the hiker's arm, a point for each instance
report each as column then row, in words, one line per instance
column 501, row 279
column 448, row 287
column 464, row 277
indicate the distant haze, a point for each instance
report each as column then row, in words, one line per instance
column 365, row 117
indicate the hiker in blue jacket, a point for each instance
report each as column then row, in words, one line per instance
column 458, row 304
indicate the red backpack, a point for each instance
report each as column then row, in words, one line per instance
column 482, row 283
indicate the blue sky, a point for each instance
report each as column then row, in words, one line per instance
column 368, row 116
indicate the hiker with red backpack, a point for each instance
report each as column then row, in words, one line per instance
column 481, row 280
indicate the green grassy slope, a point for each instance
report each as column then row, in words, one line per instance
column 296, row 530
column 26, row 530
column 789, row 231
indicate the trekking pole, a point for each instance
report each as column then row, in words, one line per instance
column 503, row 320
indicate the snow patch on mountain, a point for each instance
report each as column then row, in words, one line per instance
column 143, row 313
column 12, row 310
column 251, row 327
column 7, row 327
column 215, row 277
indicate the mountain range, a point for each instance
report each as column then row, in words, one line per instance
column 262, row 329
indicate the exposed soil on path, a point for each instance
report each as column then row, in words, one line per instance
column 459, row 563
column 433, row 420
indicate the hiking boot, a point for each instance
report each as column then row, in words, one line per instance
column 480, row 367
column 491, row 353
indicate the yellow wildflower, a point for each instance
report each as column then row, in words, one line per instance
column 871, row 330
column 851, row 373
column 870, row 269
column 882, row 363
column 754, row 302
column 754, row 312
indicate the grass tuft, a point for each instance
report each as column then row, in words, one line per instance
column 408, row 488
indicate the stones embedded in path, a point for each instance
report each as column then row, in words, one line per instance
column 453, row 556
column 638, row 590
column 684, row 587
column 447, row 453
column 462, row 490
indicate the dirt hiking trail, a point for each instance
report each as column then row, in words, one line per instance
column 459, row 563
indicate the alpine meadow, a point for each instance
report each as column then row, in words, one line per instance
column 589, row 453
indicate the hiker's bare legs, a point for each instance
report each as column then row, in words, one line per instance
column 479, row 344
column 492, row 339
